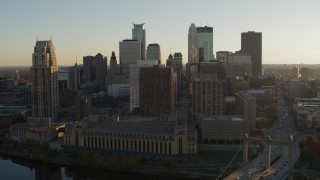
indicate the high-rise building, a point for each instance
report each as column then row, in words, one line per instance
column 95, row 69
column 251, row 43
column 114, row 76
column 44, row 83
column 208, row 94
column 153, row 52
column 296, row 72
column 74, row 77
column 134, row 81
column 305, row 74
column 213, row 67
column 89, row 68
column 239, row 64
column 175, row 62
column 139, row 34
column 223, row 56
column 200, row 44
column 245, row 105
column 130, row 53
column 157, row 91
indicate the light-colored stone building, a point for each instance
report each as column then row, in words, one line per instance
column 144, row 135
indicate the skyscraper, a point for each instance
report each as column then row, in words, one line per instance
column 251, row 43
column 200, row 44
column 208, row 94
column 44, row 83
column 139, row 34
column 130, row 53
column 153, row 52
column 157, row 86
column 134, row 79
column 175, row 62
column 95, row 69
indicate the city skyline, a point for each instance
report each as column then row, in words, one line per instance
column 81, row 29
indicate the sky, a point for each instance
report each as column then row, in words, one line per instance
column 290, row 28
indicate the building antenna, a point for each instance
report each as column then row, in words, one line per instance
column 37, row 38
column 50, row 38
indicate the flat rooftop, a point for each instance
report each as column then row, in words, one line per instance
column 223, row 118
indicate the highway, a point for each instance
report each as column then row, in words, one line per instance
column 283, row 130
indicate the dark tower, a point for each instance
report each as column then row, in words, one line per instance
column 251, row 43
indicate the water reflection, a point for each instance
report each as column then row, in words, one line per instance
column 20, row 169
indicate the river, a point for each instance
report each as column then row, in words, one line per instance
column 14, row 169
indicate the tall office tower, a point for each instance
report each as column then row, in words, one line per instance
column 305, row 74
column 95, row 69
column 157, row 91
column 213, row 67
column 89, row 68
column 251, row 43
column 200, row 44
column 245, row 105
column 239, row 64
column 223, row 56
column 208, row 94
column 130, row 53
column 134, row 81
column 175, row 62
column 101, row 71
column 113, row 64
column 44, row 83
column 74, row 77
column 139, row 34
column 153, row 52
column 17, row 75
column 296, row 72
column 114, row 77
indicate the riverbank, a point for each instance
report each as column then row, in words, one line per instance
column 204, row 165
column 153, row 170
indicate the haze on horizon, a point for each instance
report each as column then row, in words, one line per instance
column 290, row 32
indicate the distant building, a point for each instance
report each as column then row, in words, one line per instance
column 119, row 90
column 296, row 72
column 139, row 34
column 95, row 69
column 157, row 91
column 213, row 67
column 114, row 76
column 200, row 44
column 134, row 79
column 251, row 43
column 154, row 53
column 305, row 74
column 175, row 62
column 83, row 107
column 130, row 53
column 239, row 64
column 208, row 95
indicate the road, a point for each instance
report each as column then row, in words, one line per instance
column 282, row 130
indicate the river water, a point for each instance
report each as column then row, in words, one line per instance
column 13, row 169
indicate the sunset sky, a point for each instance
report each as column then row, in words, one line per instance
column 290, row 28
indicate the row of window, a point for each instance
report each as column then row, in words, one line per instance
column 127, row 145
column 128, row 135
